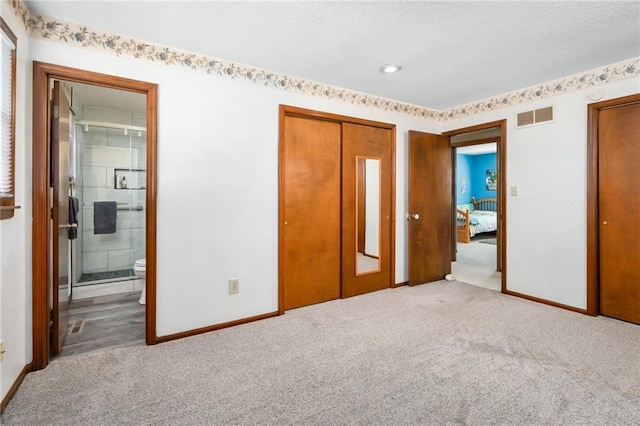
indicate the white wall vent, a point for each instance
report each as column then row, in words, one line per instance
column 528, row 118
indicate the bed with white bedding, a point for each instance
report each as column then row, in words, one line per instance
column 476, row 217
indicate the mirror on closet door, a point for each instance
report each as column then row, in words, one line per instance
column 367, row 215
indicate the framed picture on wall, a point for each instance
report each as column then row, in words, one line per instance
column 492, row 180
column 463, row 185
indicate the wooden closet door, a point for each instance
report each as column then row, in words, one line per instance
column 619, row 210
column 358, row 142
column 311, row 211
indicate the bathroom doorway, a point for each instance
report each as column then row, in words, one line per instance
column 113, row 121
column 107, row 189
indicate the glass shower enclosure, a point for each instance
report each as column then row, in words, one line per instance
column 110, row 188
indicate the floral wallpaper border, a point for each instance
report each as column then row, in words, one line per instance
column 596, row 77
column 74, row 34
column 20, row 10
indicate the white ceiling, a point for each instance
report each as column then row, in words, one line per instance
column 485, row 148
column 90, row 95
column 452, row 52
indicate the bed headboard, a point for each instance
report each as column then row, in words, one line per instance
column 486, row 204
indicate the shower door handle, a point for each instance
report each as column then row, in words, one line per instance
column 68, row 226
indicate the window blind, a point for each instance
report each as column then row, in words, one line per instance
column 6, row 129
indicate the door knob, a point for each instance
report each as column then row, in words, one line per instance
column 604, row 223
column 68, row 226
column 415, row 216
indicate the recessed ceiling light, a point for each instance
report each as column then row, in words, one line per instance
column 390, row 68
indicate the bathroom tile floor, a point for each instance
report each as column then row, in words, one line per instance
column 104, row 322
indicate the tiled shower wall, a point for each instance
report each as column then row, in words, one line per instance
column 101, row 151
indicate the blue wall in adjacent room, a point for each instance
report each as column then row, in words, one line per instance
column 479, row 166
column 474, row 169
column 463, row 170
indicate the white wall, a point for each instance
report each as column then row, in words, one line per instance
column 546, row 222
column 15, row 233
column 218, row 185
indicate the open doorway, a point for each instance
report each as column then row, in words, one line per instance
column 53, row 277
column 476, row 215
column 477, row 195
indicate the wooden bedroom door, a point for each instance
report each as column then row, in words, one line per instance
column 430, row 222
column 619, row 210
column 311, row 211
column 59, row 217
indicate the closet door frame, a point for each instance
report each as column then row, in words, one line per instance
column 593, row 203
column 289, row 111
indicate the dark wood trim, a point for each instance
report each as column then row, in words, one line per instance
column 392, row 219
column 502, row 201
column 498, row 123
column 281, row 122
column 151, row 337
column 454, row 206
column 292, row 111
column 402, row 284
column 545, row 301
column 196, row 331
column 321, row 115
column 501, row 153
column 593, row 237
column 40, row 217
column 42, row 74
column 14, row 387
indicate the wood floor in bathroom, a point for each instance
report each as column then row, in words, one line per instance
column 104, row 322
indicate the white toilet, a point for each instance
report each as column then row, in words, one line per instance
column 140, row 270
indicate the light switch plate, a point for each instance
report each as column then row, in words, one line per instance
column 234, row 286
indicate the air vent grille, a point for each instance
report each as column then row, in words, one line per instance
column 541, row 115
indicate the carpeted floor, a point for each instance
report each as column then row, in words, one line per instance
column 476, row 264
column 443, row 353
column 491, row 241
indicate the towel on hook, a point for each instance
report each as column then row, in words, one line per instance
column 104, row 217
column 73, row 217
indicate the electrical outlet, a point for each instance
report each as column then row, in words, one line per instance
column 234, row 286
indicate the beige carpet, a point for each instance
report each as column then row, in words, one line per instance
column 443, row 353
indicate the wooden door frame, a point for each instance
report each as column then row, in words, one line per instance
column 292, row 111
column 43, row 73
column 593, row 222
column 501, row 159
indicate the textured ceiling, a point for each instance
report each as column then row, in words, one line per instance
column 451, row 52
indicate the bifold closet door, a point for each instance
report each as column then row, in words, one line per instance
column 366, row 157
column 311, row 190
